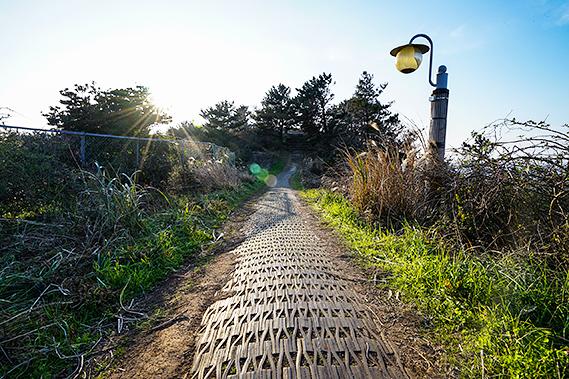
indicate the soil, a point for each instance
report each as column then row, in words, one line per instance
column 402, row 325
column 163, row 345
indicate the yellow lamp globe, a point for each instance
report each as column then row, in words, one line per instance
column 408, row 57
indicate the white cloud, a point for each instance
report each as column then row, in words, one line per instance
column 563, row 15
column 458, row 32
column 461, row 39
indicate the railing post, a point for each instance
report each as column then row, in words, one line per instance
column 82, row 154
column 137, row 154
column 182, row 153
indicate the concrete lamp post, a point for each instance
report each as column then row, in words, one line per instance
column 408, row 59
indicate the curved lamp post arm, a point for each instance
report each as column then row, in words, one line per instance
column 430, row 55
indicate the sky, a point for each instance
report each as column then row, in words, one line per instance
column 504, row 58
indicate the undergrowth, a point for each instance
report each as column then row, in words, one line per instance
column 499, row 315
column 169, row 239
column 296, row 181
column 277, row 166
column 67, row 281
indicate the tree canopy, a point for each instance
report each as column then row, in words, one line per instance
column 276, row 112
column 226, row 115
column 123, row 111
column 352, row 122
column 364, row 117
column 312, row 106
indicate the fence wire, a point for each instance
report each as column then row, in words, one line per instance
column 122, row 153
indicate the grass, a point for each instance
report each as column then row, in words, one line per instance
column 498, row 316
column 296, row 181
column 169, row 240
column 277, row 166
column 58, row 304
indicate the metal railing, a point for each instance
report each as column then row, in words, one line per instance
column 187, row 148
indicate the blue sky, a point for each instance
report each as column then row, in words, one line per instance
column 504, row 58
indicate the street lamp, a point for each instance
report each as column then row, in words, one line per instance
column 408, row 59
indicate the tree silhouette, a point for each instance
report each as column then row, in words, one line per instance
column 226, row 115
column 363, row 117
column 312, row 106
column 276, row 111
column 124, row 111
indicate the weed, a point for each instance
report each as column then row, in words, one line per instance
column 62, row 282
column 296, row 181
column 508, row 313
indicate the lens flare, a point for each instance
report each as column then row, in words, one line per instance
column 263, row 173
column 255, row 169
column 271, row 181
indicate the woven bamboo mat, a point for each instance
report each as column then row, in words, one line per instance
column 287, row 311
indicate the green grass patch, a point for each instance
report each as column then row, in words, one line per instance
column 53, row 305
column 499, row 316
column 277, row 167
column 296, row 181
column 169, row 239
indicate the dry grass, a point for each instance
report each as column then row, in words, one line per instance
column 494, row 193
column 213, row 175
column 391, row 187
column 205, row 176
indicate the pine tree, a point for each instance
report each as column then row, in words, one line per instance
column 312, row 106
column 364, row 117
column 276, row 111
column 225, row 115
column 87, row 108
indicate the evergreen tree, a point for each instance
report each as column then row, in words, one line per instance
column 225, row 115
column 276, row 111
column 5, row 113
column 312, row 106
column 124, row 111
column 363, row 117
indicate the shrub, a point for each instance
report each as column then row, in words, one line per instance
column 495, row 193
column 154, row 161
column 211, row 176
column 111, row 206
column 33, row 178
column 182, row 179
column 514, row 191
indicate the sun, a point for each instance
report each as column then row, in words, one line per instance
column 162, row 99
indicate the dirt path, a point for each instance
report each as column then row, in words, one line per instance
column 285, row 302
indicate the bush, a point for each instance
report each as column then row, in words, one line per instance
column 496, row 193
column 64, row 276
column 41, row 173
column 182, row 179
column 514, row 191
column 158, row 159
column 501, row 316
column 33, row 178
column 111, row 206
